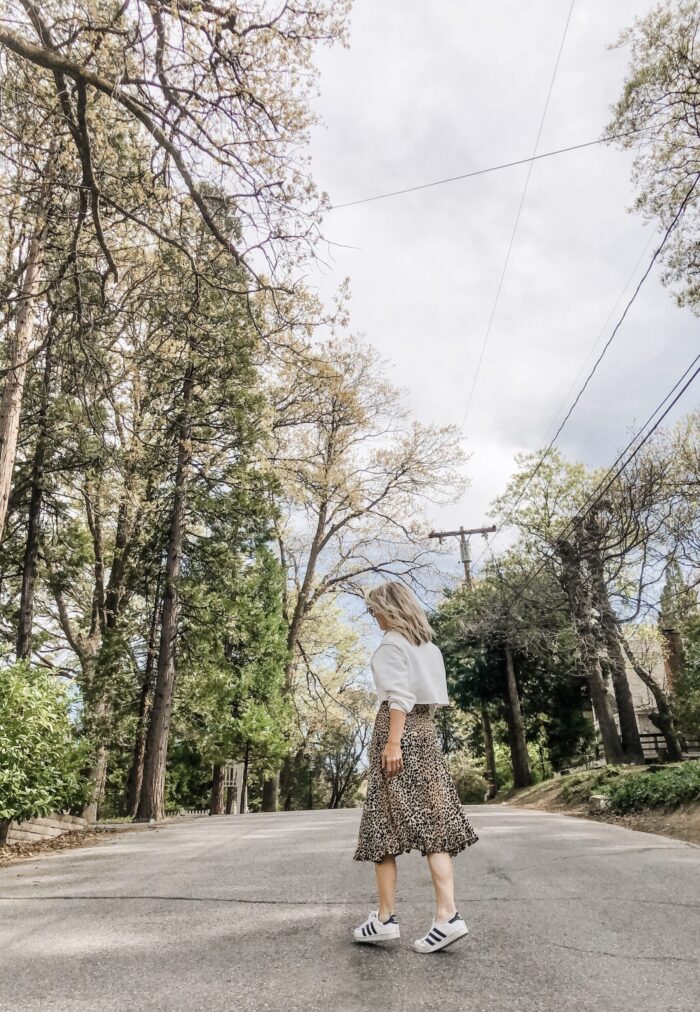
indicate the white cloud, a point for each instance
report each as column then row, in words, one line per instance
column 428, row 91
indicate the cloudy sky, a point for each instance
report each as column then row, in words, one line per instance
column 429, row 90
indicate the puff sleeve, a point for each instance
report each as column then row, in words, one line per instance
column 391, row 677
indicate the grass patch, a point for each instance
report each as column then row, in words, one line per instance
column 577, row 788
column 670, row 786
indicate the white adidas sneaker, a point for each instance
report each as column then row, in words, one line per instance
column 442, row 934
column 373, row 930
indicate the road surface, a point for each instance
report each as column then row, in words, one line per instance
column 254, row 912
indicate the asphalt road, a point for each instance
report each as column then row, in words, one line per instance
column 255, row 912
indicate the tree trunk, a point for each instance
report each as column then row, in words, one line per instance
column 98, row 776
column 242, row 808
column 610, row 635
column 31, row 550
column 216, row 805
column 518, row 746
column 270, row 794
column 629, row 731
column 489, row 754
column 20, row 345
column 134, row 780
column 289, row 775
column 152, row 801
column 230, row 800
column 581, row 616
column 135, row 777
column 663, row 718
column 4, row 831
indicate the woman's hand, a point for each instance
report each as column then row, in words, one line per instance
column 392, row 760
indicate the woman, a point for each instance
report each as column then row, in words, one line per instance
column 411, row 800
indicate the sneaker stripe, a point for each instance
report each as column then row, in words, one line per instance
column 364, row 929
column 440, row 934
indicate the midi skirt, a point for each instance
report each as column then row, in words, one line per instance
column 419, row 808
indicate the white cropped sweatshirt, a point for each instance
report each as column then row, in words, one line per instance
column 405, row 674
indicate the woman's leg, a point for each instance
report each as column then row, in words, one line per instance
column 443, row 883
column 386, row 885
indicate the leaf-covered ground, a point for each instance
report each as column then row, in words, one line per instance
column 69, row 841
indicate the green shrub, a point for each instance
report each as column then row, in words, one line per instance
column 469, row 780
column 41, row 761
column 579, row 786
column 672, row 785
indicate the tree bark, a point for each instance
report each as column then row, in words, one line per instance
column 489, row 754
column 629, row 731
column 580, row 609
column 13, row 389
column 663, row 718
column 98, row 776
column 242, row 808
column 610, row 635
column 31, row 551
column 230, row 800
column 5, row 825
column 518, row 746
column 270, row 794
column 134, row 780
column 288, row 777
column 216, row 805
column 152, row 800
column 135, row 777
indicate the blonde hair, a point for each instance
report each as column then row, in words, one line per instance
column 401, row 611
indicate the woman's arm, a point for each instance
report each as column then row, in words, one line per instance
column 392, row 760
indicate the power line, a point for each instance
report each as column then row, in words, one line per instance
column 517, row 219
column 684, row 382
column 619, row 323
column 602, row 354
column 482, row 172
column 600, row 336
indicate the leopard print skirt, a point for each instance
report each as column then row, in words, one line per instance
column 417, row 809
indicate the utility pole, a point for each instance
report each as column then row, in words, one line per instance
column 464, row 550
column 465, row 555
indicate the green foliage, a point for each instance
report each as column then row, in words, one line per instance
column 678, row 602
column 669, row 786
column 686, row 697
column 40, row 757
column 578, row 787
column 468, row 777
column 231, row 693
column 189, row 777
column 656, row 117
column 472, row 626
column 504, row 766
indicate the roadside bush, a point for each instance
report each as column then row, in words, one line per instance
column 41, row 761
column 578, row 788
column 504, row 766
column 671, row 786
column 469, row 780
